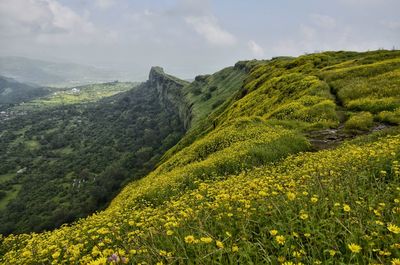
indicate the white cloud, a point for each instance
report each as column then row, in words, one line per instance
column 41, row 17
column 46, row 22
column 255, row 48
column 105, row 4
column 208, row 28
column 323, row 21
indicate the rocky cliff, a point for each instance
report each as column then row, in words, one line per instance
column 170, row 92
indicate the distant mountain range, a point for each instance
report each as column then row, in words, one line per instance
column 45, row 73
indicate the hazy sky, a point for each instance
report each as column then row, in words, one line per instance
column 190, row 37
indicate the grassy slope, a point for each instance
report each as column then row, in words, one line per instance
column 208, row 92
column 247, row 191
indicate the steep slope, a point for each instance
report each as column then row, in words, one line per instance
column 63, row 163
column 241, row 186
column 208, row 92
column 13, row 92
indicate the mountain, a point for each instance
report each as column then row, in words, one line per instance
column 298, row 163
column 46, row 73
column 13, row 92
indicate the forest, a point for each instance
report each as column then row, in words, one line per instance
column 65, row 162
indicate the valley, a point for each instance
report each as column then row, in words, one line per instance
column 292, row 160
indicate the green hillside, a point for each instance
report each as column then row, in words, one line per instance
column 298, row 163
column 13, row 92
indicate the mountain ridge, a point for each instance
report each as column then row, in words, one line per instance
column 244, row 184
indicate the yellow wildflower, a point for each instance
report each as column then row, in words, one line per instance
column 206, row 239
column 219, row 244
column 314, row 199
column 303, row 216
column 393, row 228
column 384, row 253
column 332, row 252
column 99, row 261
column 291, row 196
column 273, row 232
column 346, row 208
column 395, row 261
column 235, row 248
column 56, row 255
column 190, row 239
column 280, row 240
column 354, row 248
column 262, row 193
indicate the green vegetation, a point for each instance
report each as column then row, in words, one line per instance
column 360, row 121
column 12, row 92
column 208, row 92
column 76, row 95
column 391, row 117
column 72, row 159
column 242, row 185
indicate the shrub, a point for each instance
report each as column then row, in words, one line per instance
column 392, row 117
column 212, row 89
column 196, row 91
column 206, row 96
column 360, row 121
column 374, row 105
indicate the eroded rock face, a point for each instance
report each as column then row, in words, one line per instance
column 170, row 92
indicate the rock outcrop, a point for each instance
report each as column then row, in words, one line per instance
column 170, row 93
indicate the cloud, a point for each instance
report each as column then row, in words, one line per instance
column 40, row 17
column 208, row 28
column 323, row 21
column 255, row 48
column 104, row 4
column 46, row 22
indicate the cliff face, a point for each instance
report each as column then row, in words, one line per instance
column 170, row 93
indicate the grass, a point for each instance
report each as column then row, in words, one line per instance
column 209, row 92
column 242, row 187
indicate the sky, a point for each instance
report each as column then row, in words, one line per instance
column 191, row 37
